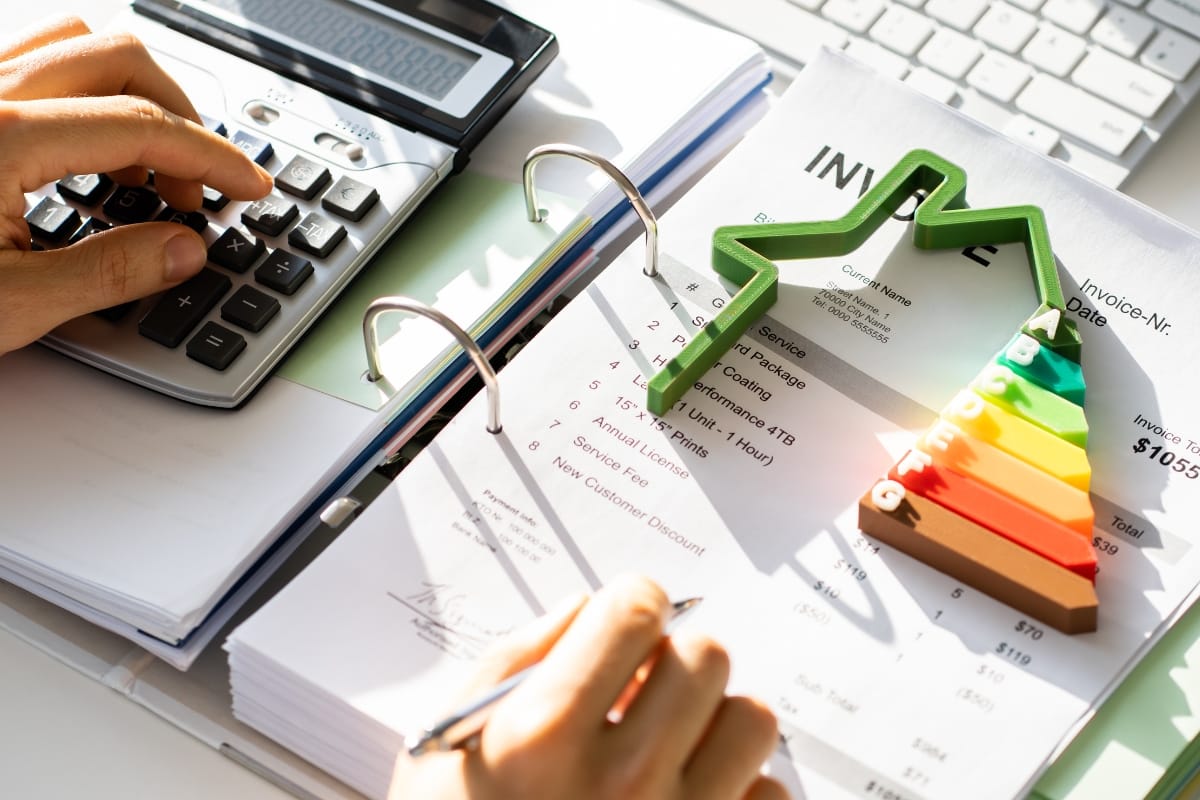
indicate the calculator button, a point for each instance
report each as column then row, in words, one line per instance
column 235, row 251
column 283, row 271
column 214, row 125
column 350, row 199
column 181, row 308
column 250, row 309
column 316, row 235
column 89, row 226
column 193, row 219
column 214, row 200
column 52, row 220
column 259, row 150
column 86, row 189
column 132, row 204
column 302, row 178
column 270, row 215
column 215, row 346
column 117, row 312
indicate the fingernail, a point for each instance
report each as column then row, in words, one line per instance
column 184, row 258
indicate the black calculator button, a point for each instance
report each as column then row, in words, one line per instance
column 250, row 309
column 86, row 189
column 215, row 346
column 214, row 125
column 235, row 251
column 132, row 204
column 350, row 199
column 52, row 220
column 302, row 178
column 117, row 312
column 270, row 215
column 283, row 271
column 214, row 200
column 89, row 226
column 316, row 235
column 180, row 309
column 259, row 150
column 193, row 219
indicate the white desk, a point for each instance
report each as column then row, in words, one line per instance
column 64, row 735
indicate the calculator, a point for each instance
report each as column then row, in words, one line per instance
column 358, row 108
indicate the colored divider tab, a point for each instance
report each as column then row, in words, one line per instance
column 1027, row 357
column 1016, row 395
column 990, row 423
column 979, row 558
column 991, row 510
column 1016, row 479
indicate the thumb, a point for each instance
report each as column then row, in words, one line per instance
column 40, row 290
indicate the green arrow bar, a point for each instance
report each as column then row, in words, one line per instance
column 745, row 254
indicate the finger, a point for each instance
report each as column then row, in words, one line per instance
column 95, row 65
column 583, row 674
column 525, row 646
column 727, row 761
column 40, row 290
column 41, row 34
column 766, row 788
column 674, row 707
column 64, row 132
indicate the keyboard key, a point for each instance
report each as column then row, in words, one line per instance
column 52, row 221
column 192, row 219
column 270, row 215
column 259, row 150
column 882, row 61
column 1032, row 133
column 90, row 225
column 811, row 5
column 1028, row 5
column 902, row 31
column 1080, row 114
column 1172, row 54
column 1122, row 31
column 1130, row 86
column 960, row 14
column 235, row 250
column 181, row 308
column 1006, row 28
column 853, row 15
column 250, row 309
column 214, row 200
column 1054, row 50
column 1077, row 16
column 1180, row 15
column 215, row 346
column 316, row 235
column 350, row 199
column 998, row 76
column 214, row 125
column 950, row 53
column 283, row 272
column 302, row 178
column 132, row 204
column 86, row 189
column 930, row 83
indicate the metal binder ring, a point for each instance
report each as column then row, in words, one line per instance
column 469, row 345
column 627, row 186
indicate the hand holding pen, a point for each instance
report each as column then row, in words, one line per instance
column 612, row 709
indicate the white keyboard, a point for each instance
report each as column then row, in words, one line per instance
column 1094, row 83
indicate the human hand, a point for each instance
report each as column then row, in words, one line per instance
column 74, row 102
column 615, row 711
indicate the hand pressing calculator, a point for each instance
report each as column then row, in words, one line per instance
column 358, row 108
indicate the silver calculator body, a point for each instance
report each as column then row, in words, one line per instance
column 346, row 179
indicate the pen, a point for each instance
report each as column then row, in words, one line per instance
column 461, row 727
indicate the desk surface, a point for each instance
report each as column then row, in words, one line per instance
column 65, row 735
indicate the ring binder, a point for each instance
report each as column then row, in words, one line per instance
column 470, row 346
column 627, row 186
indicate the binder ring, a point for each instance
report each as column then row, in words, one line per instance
column 470, row 346
column 620, row 178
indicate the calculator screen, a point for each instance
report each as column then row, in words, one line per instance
column 379, row 45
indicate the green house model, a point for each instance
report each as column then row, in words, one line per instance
column 995, row 492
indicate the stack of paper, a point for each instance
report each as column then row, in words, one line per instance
column 155, row 519
column 889, row 678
